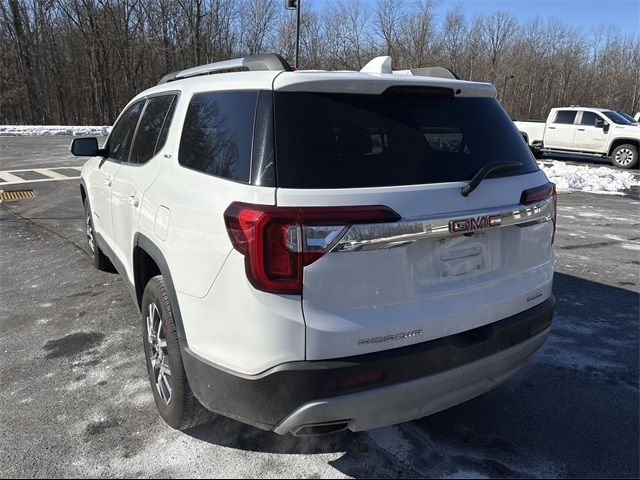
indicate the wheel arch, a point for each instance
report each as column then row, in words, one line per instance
column 83, row 190
column 149, row 261
column 622, row 141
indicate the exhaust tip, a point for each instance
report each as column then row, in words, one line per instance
column 315, row 429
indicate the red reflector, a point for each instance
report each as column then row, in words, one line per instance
column 359, row 380
column 274, row 262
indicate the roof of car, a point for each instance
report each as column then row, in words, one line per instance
column 315, row 81
column 271, row 72
column 591, row 109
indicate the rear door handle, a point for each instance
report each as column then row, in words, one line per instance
column 133, row 201
column 108, row 181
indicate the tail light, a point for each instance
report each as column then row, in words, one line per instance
column 278, row 242
column 540, row 193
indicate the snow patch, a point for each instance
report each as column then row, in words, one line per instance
column 588, row 179
column 393, row 441
column 37, row 130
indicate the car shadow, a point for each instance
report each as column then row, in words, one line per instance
column 573, row 411
column 233, row 434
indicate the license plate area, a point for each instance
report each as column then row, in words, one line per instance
column 462, row 256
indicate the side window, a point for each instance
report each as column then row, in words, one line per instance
column 565, row 116
column 153, row 118
column 122, row 134
column 218, row 133
column 589, row 118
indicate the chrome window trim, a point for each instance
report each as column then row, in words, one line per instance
column 380, row 236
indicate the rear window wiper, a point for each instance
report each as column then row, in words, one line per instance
column 486, row 170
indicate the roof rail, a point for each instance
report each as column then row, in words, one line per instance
column 264, row 61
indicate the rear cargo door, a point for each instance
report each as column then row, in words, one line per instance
column 451, row 263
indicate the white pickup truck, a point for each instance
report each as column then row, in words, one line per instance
column 586, row 130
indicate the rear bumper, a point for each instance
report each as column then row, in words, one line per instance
column 409, row 382
column 410, row 400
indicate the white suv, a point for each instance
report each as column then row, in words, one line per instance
column 313, row 251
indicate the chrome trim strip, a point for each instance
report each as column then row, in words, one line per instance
column 379, row 236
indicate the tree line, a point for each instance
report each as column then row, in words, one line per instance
column 81, row 61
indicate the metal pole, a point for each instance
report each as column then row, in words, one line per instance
column 298, row 35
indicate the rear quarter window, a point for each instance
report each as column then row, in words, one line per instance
column 218, row 132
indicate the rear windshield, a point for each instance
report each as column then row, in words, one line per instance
column 327, row 140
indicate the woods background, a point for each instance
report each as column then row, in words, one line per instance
column 80, row 61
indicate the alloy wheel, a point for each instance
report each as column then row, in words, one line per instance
column 159, row 354
column 624, row 156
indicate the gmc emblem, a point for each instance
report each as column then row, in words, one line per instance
column 474, row 223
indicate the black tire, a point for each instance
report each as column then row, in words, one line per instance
column 177, row 406
column 625, row 156
column 99, row 259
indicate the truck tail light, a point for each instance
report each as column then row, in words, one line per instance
column 540, row 193
column 278, row 242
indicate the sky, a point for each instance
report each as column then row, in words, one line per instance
column 580, row 14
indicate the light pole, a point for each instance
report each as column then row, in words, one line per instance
column 295, row 5
column 507, row 77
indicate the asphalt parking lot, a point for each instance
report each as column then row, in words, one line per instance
column 75, row 399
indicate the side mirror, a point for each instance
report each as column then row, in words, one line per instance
column 85, row 147
column 599, row 123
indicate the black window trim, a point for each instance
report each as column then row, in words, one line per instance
column 257, row 170
column 174, row 93
column 241, row 182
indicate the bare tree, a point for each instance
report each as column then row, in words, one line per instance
column 418, row 34
column 498, row 30
column 387, row 24
column 81, row 61
column 454, row 32
column 256, row 19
